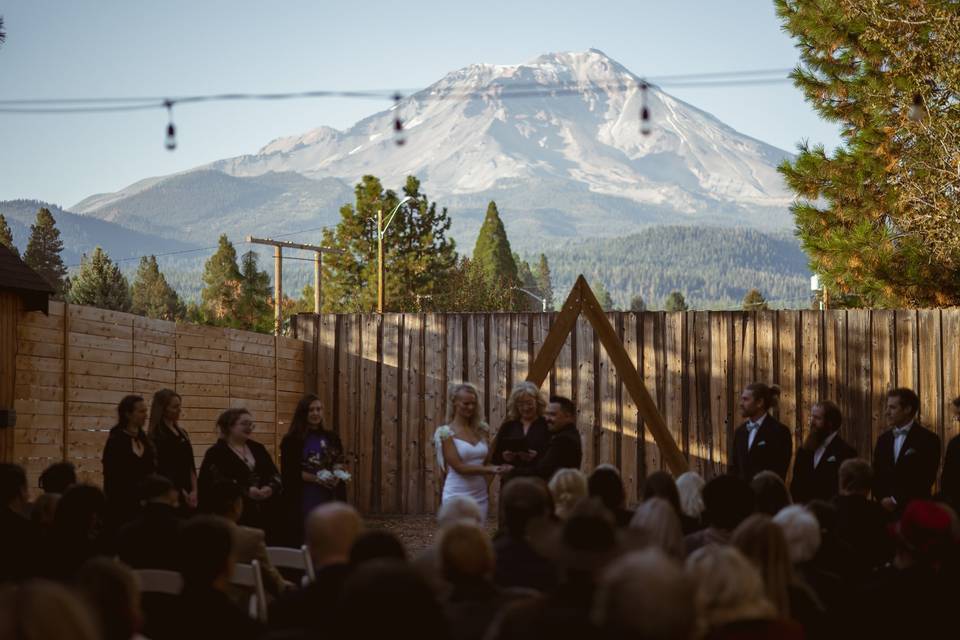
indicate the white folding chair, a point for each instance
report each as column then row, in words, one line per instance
column 250, row 577
column 297, row 559
column 159, row 581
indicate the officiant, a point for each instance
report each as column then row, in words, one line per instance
column 522, row 438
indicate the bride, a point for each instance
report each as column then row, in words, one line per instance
column 462, row 451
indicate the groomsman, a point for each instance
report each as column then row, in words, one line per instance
column 950, row 481
column 907, row 456
column 761, row 443
column 816, row 471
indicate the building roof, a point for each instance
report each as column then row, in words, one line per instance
column 16, row 276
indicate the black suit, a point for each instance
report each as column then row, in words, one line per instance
column 771, row 450
column 150, row 541
column 820, row 482
column 950, row 481
column 564, row 450
column 912, row 475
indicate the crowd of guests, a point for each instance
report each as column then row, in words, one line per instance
column 850, row 548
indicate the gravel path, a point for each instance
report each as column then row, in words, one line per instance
column 415, row 532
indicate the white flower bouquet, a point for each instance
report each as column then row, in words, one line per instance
column 342, row 475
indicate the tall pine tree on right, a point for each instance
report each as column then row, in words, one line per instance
column 878, row 215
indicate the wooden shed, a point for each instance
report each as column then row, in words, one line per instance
column 21, row 290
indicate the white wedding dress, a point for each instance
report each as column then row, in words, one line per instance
column 473, row 486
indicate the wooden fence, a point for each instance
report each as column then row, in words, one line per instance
column 384, row 381
column 75, row 364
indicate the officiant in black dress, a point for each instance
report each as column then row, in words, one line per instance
column 522, row 439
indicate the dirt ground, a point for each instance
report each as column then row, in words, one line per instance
column 415, row 532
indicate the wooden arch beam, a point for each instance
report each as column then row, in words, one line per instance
column 582, row 300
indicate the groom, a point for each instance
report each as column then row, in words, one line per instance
column 563, row 447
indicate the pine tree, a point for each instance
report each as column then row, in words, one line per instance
column 603, row 296
column 675, row 302
column 544, row 281
column 43, row 252
column 637, row 303
column 100, row 283
column 417, row 253
column 754, row 301
column 151, row 295
column 254, row 308
column 878, row 215
column 304, row 303
column 467, row 289
column 6, row 236
column 221, row 284
column 492, row 251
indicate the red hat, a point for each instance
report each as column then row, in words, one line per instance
column 924, row 527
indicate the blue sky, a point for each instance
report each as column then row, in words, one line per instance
column 90, row 48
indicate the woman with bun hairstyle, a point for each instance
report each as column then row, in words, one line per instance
column 761, row 443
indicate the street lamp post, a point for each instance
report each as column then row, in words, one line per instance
column 381, row 230
column 542, row 301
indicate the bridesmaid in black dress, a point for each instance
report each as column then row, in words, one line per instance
column 522, row 439
column 172, row 443
column 128, row 458
column 238, row 458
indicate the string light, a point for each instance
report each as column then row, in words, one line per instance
column 398, row 136
column 644, row 109
column 171, row 140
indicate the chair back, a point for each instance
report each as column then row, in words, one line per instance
column 250, row 577
column 159, row 581
column 296, row 559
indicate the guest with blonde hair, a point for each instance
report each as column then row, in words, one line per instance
column 659, row 526
column 568, row 487
column 690, row 487
column 522, row 438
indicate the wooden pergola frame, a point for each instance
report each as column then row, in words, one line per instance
column 582, row 301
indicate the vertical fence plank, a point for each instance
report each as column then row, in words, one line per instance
column 327, row 364
column 745, row 351
column 835, row 359
column 703, row 447
column 369, row 424
column 721, row 381
column 348, row 393
column 672, row 410
column 811, row 361
column 499, row 366
column 412, row 429
column 859, row 379
column 586, row 380
column 766, row 345
column 882, row 348
column 391, row 414
column 907, row 356
column 786, row 375
column 608, row 424
column 631, row 462
column 950, row 326
column 653, row 364
column 564, row 368
column 434, row 402
column 454, row 340
column 476, row 357
column 931, row 371
column 519, row 347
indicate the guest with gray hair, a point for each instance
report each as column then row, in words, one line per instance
column 645, row 596
column 802, row 531
column 690, row 488
column 659, row 527
column 459, row 509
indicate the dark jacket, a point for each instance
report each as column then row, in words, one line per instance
column 473, row 605
column 518, row 565
column 823, row 481
column 771, row 451
column 220, row 463
column 564, row 451
column 537, row 438
column 208, row 613
column 150, row 541
column 862, row 525
column 123, row 475
column 20, row 548
column 950, row 481
column 311, row 610
column 912, row 475
column 175, row 459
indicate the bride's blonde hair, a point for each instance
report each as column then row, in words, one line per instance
column 477, row 425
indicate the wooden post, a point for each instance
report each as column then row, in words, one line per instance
column 380, row 272
column 317, row 269
column 66, row 379
column 277, row 290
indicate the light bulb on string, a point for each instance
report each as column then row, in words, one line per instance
column 644, row 109
column 170, row 142
column 398, row 134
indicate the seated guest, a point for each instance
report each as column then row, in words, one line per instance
column 950, row 479
column 659, row 526
column 568, row 487
column 58, row 477
column 817, row 467
column 384, row 599
column 150, row 541
column 690, row 498
column 331, row 531
column 41, row 610
column 524, row 501
column 110, row 589
column 204, row 608
column 771, row 494
column 43, row 512
column 454, row 510
column 474, row 600
column 861, row 522
column 564, row 449
column 761, row 443
column 77, row 533
column 645, row 595
column 907, row 456
column 606, row 484
column 802, row 532
column 834, row 556
column 21, row 537
column 728, row 500
column 373, row 545
column 731, row 600
column 225, row 499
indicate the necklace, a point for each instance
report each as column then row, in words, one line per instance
column 244, row 452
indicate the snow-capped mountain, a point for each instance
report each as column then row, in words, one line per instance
column 556, row 141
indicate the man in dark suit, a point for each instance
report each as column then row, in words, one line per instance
column 21, row 538
column 861, row 523
column 150, row 541
column 564, row 449
column 817, row 467
column 950, row 481
column 907, row 456
column 761, row 443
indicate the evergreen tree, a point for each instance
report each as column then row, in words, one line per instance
column 637, row 303
column 754, row 301
column 467, row 289
column 6, row 236
column 100, row 283
column 304, row 304
column 675, row 302
column 43, row 252
column 492, row 251
column 544, row 281
column 254, row 308
column 417, row 253
column 151, row 295
column 603, row 296
column 878, row 215
column 221, row 284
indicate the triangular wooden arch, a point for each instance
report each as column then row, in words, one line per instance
column 582, row 300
